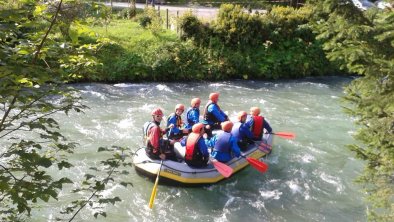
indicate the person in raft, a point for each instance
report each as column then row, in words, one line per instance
column 193, row 114
column 257, row 123
column 241, row 131
column 224, row 144
column 175, row 122
column 196, row 154
column 213, row 115
column 156, row 146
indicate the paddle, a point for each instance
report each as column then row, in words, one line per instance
column 258, row 165
column 223, row 169
column 154, row 190
column 285, row 135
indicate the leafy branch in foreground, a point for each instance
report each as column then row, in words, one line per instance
column 363, row 43
column 35, row 62
column 95, row 185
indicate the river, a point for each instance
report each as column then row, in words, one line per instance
column 309, row 178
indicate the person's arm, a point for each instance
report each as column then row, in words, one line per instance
column 234, row 147
column 224, row 115
column 267, row 126
column 249, row 122
column 194, row 116
column 217, row 113
column 203, row 148
column 183, row 141
column 245, row 130
column 211, row 142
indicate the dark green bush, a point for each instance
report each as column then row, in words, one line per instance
column 237, row 27
column 175, row 62
column 145, row 20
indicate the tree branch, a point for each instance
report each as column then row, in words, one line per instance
column 9, row 172
column 38, row 50
column 20, row 125
column 8, row 111
column 94, row 193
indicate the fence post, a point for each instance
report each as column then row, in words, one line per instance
column 177, row 17
column 167, row 17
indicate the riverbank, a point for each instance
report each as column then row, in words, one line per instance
column 237, row 46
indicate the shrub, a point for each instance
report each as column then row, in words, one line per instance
column 237, row 27
column 145, row 20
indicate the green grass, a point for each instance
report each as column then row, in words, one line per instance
column 129, row 33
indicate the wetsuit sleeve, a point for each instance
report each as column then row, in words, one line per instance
column 267, row 126
column 195, row 116
column 249, row 122
column 183, row 141
column 211, row 142
column 203, row 147
column 224, row 115
column 234, row 147
column 217, row 113
column 154, row 136
column 245, row 130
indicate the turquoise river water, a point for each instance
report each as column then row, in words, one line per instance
column 309, row 178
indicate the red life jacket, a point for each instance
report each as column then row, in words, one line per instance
column 191, row 148
column 257, row 128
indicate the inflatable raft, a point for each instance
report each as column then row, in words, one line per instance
column 179, row 173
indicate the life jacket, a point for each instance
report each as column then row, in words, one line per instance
column 257, row 128
column 192, row 148
column 209, row 116
column 223, row 142
column 145, row 130
column 235, row 131
column 179, row 122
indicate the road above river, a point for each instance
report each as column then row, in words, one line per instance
column 204, row 13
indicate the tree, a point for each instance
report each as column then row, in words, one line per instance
column 35, row 62
column 363, row 43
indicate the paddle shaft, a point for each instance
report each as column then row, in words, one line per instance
column 154, row 190
column 285, row 135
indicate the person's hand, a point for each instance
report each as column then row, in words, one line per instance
column 207, row 127
column 185, row 131
column 162, row 156
column 172, row 142
column 205, row 136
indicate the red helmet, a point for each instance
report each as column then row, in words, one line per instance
column 157, row 112
column 241, row 114
column 195, row 101
column 179, row 106
column 197, row 127
column 227, row 126
column 255, row 111
column 214, row 97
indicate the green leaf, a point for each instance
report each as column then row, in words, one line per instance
column 45, row 162
column 64, row 164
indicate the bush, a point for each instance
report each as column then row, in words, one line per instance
column 174, row 61
column 145, row 20
column 237, row 27
column 127, row 13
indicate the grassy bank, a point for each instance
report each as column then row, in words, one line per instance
column 236, row 45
